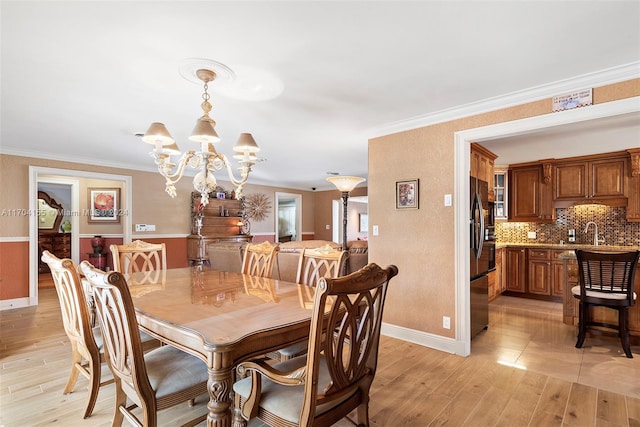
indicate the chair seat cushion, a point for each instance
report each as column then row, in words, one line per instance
column 286, row 401
column 171, row 370
column 294, row 350
column 604, row 295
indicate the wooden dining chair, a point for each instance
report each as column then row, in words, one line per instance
column 605, row 280
column 153, row 381
column 150, row 259
column 334, row 377
column 259, row 259
column 85, row 340
column 313, row 265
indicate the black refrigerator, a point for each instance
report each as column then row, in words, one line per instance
column 482, row 253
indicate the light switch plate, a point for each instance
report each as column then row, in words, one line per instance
column 375, row 230
column 447, row 199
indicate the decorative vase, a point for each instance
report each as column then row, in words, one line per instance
column 66, row 226
column 97, row 243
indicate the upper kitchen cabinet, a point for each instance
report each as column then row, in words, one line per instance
column 531, row 193
column 598, row 177
column 633, row 202
column 482, row 166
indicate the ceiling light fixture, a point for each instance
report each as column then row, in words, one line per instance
column 207, row 159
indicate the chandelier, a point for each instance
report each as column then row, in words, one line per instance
column 208, row 160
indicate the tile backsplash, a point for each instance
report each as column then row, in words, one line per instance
column 612, row 225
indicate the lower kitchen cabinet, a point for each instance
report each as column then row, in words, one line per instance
column 516, row 270
column 539, row 277
column 534, row 272
column 494, row 291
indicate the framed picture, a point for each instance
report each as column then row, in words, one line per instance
column 407, row 194
column 104, row 205
column 364, row 223
column 221, row 195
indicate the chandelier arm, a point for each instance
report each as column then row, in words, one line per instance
column 238, row 183
column 165, row 167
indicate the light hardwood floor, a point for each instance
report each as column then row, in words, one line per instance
column 523, row 371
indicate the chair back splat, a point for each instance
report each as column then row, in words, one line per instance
column 150, row 259
column 86, row 341
column 334, row 377
column 605, row 280
column 259, row 259
column 153, row 381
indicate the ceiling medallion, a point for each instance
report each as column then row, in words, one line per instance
column 243, row 82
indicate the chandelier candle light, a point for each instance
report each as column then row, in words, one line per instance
column 345, row 184
column 208, row 159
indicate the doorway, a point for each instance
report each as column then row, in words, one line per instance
column 72, row 178
column 462, row 141
column 288, row 221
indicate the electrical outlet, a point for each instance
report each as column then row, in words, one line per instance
column 532, row 234
column 141, row 227
column 447, row 200
column 446, row 322
column 328, row 227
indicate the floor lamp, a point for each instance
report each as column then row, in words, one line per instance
column 345, row 184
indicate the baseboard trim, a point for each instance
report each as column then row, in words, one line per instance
column 10, row 304
column 425, row 339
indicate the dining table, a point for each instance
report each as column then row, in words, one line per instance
column 223, row 318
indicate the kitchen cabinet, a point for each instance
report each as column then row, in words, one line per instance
column 558, row 276
column 539, row 277
column 482, row 166
column 633, row 202
column 596, row 178
column 219, row 221
column 516, row 279
column 530, row 195
column 498, row 276
column 493, row 289
column 545, row 273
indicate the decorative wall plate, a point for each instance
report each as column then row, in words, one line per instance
column 258, row 206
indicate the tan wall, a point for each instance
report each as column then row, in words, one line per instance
column 421, row 242
column 323, row 213
column 150, row 205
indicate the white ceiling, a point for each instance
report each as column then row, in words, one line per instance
column 614, row 133
column 79, row 79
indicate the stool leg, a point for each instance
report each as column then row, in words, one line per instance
column 582, row 323
column 623, row 324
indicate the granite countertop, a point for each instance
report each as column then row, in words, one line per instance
column 568, row 246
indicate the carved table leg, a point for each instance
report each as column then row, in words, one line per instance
column 219, row 387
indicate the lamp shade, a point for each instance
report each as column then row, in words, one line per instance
column 204, row 132
column 157, row 134
column 171, row 149
column 345, row 183
column 246, row 143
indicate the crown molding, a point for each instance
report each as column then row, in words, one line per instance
column 599, row 78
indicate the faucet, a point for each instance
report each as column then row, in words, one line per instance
column 595, row 235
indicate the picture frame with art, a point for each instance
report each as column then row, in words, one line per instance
column 364, row 222
column 104, row 205
column 407, row 194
